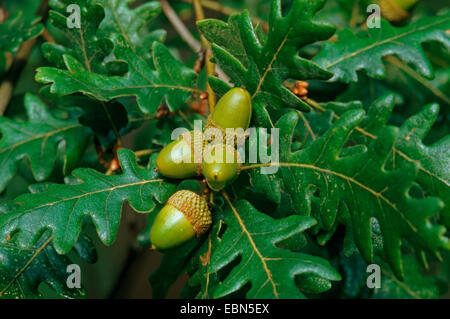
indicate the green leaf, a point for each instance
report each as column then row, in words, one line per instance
column 262, row 64
column 82, row 43
column 172, row 266
column 355, row 178
column 22, row 270
column 62, row 207
column 38, row 141
column 171, row 82
column 365, row 50
column 131, row 23
column 13, row 31
column 432, row 160
column 416, row 285
column 270, row 270
column 202, row 281
column 367, row 90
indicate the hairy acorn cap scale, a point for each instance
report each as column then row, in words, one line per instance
column 178, row 160
column 234, row 110
column 217, row 171
column 184, row 216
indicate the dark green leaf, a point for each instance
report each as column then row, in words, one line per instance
column 62, row 207
column 82, row 43
column 22, row 270
column 131, row 23
column 263, row 64
column 253, row 237
column 38, row 141
column 171, row 82
column 359, row 182
column 432, row 160
column 353, row 52
column 416, row 285
column 15, row 30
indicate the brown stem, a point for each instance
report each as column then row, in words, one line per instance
column 146, row 152
column 216, row 6
column 179, row 26
column 184, row 117
column 399, row 64
column 206, row 47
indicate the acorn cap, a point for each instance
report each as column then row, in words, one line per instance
column 194, row 207
column 195, row 139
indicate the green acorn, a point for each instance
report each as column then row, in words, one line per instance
column 217, row 172
column 177, row 159
column 234, row 111
column 396, row 10
column 184, row 216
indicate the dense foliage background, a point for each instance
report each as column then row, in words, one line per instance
column 364, row 157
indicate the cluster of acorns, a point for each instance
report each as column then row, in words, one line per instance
column 186, row 214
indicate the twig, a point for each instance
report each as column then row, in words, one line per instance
column 146, row 152
column 184, row 117
column 216, row 6
column 6, row 89
column 355, row 12
column 399, row 64
column 206, row 47
column 179, row 26
column 374, row 137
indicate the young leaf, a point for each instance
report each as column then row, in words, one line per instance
column 270, row 270
column 62, row 207
column 353, row 52
column 38, row 140
column 15, row 30
column 263, row 63
column 23, row 270
column 356, row 178
column 171, row 81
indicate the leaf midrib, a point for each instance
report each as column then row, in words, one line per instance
column 252, row 243
column 22, row 270
column 379, row 195
column 110, row 189
column 44, row 135
column 345, row 57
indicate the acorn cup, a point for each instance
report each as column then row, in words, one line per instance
column 178, row 159
column 185, row 216
column 220, row 166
